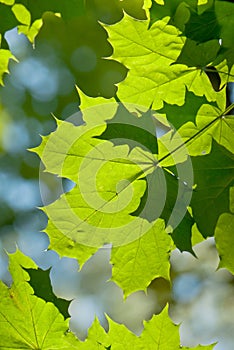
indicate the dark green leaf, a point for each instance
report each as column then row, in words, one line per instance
column 213, row 175
column 203, row 27
column 41, row 284
column 198, row 55
column 179, row 115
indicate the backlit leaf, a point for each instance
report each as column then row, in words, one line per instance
column 28, row 322
column 150, row 64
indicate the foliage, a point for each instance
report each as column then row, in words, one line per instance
column 164, row 65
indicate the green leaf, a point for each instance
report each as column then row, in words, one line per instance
column 178, row 10
column 134, row 8
column 136, row 264
column 212, row 122
column 202, row 2
column 224, row 236
column 160, row 2
column 7, row 2
column 224, row 240
column 40, row 282
column 96, row 225
column 213, row 175
column 182, row 234
column 110, row 12
column 66, row 246
column 22, row 14
column 203, row 27
column 135, row 128
column 5, row 56
column 18, row 15
column 159, row 333
column 28, row 322
column 198, row 55
column 97, row 211
column 179, row 115
column 225, row 17
column 175, row 214
column 152, row 78
column 97, row 338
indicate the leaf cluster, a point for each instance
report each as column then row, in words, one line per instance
column 152, row 160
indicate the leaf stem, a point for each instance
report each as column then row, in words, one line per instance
column 228, row 109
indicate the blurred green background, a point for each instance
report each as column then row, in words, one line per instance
column 41, row 84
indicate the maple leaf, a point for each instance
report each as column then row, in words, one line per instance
column 28, row 322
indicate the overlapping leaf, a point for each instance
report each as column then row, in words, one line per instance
column 159, row 333
column 98, row 211
column 212, row 122
column 213, row 178
column 179, row 115
column 40, row 282
column 213, row 175
column 115, row 180
column 149, row 54
column 28, row 322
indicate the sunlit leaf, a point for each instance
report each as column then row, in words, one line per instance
column 224, row 236
column 28, row 322
column 152, row 78
column 136, row 264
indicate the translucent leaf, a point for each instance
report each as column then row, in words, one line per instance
column 202, row 2
column 224, row 236
column 212, row 122
column 159, row 333
column 5, row 56
column 97, row 338
column 152, row 78
column 22, row 14
column 160, row 2
column 99, row 209
column 28, row 322
column 8, row 2
column 224, row 240
column 136, row 264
